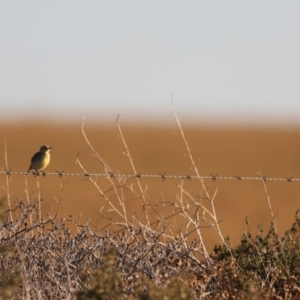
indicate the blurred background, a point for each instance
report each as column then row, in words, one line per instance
column 231, row 68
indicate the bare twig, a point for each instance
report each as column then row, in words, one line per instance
column 142, row 192
column 7, row 189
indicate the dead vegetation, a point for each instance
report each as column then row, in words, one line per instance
column 141, row 254
column 44, row 260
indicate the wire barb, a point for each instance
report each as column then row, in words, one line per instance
column 60, row 174
column 8, row 172
column 163, row 176
column 214, row 177
column 187, row 177
column 111, row 174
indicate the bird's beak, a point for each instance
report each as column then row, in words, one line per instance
column 49, row 148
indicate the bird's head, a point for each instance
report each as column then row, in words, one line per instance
column 45, row 149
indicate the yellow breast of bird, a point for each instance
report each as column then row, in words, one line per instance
column 46, row 160
column 40, row 161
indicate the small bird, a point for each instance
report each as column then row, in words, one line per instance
column 40, row 160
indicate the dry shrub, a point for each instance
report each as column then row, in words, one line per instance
column 45, row 261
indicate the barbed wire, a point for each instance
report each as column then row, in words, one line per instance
column 162, row 176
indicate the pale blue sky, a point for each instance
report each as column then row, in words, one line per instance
column 222, row 60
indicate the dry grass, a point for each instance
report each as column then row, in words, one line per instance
column 222, row 151
column 136, row 245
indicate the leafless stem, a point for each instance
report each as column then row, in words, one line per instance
column 273, row 223
column 7, row 189
column 39, row 197
column 142, row 192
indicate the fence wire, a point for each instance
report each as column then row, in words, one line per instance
column 162, row 176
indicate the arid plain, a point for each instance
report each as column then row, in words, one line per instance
column 222, row 151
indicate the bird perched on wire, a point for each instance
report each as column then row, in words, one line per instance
column 40, row 160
